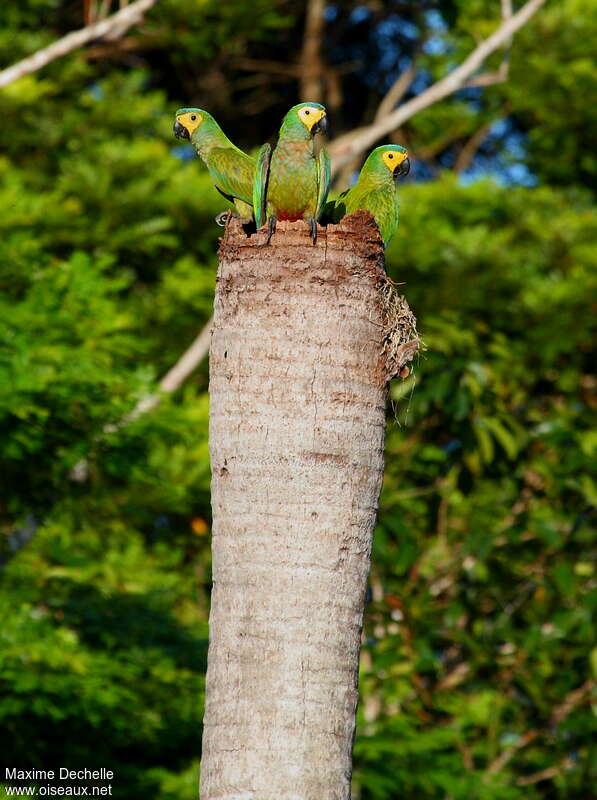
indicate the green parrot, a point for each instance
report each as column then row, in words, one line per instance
column 292, row 182
column 232, row 170
column 375, row 190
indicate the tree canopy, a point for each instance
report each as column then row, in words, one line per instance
column 479, row 654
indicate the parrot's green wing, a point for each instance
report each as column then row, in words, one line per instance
column 336, row 209
column 384, row 207
column 232, row 171
column 324, row 179
column 228, row 197
column 329, row 211
column 260, row 184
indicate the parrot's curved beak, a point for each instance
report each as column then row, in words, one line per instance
column 402, row 169
column 180, row 131
column 321, row 126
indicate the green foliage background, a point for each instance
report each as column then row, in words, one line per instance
column 479, row 652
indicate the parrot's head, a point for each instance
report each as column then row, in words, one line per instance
column 394, row 157
column 309, row 116
column 188, row 120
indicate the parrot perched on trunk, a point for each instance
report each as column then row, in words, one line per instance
column 375, row 190
column 232, row 170
column 292, row 182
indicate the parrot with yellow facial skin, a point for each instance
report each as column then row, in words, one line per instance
column 232, row 170
column 292, row 183
column 375, row 190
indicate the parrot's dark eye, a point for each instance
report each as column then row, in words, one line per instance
column 193, row 117
column 390, row 155
column 307, row 111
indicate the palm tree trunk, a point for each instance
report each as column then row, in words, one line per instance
column 298, row 374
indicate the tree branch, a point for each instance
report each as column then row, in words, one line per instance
column 560, row 712
column 171, row 381
column 508, row 754
column 501, row 74
column 396, row 91
column 359, row 140
column 545, row 774
column 117, row 24
column 489, row 78
column 470, row 147
column 393, row 96
column 571, row 701
column 264, row 65
column 311, row 64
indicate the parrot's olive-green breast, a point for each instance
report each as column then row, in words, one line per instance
column 375, row 189
column 232, row 170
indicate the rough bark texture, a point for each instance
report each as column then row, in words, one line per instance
column 298, row 392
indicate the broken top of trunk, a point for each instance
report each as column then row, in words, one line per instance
column 351, row 247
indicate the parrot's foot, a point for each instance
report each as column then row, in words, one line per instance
column 271, row 228
column 224, row 217
column 312, row 223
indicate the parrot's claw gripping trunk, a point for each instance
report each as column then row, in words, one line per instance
column 223, row 217
column 271, row 228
